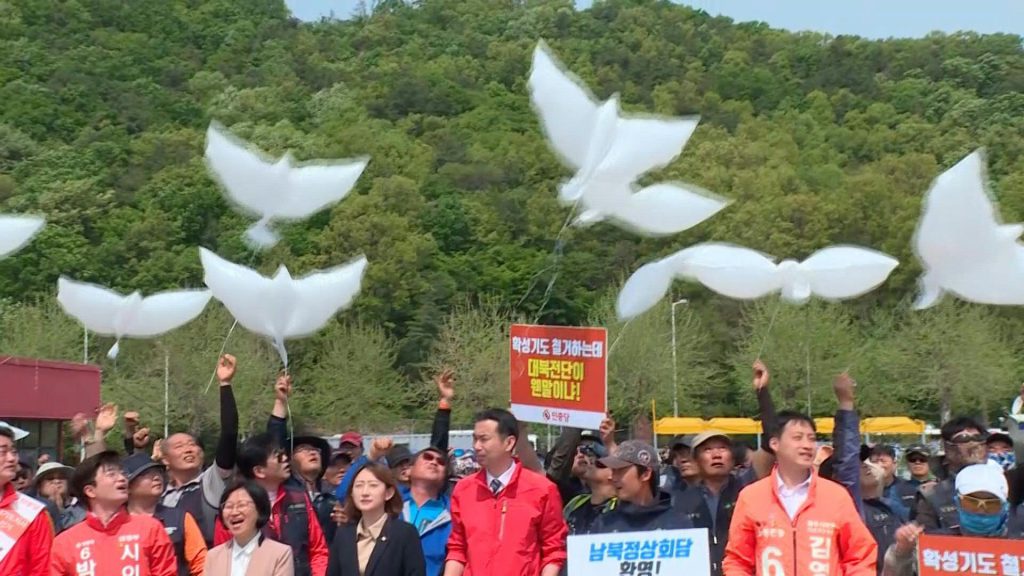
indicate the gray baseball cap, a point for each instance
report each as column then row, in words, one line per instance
column 631, row 453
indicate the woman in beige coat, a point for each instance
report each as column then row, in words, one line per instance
column 245, row 510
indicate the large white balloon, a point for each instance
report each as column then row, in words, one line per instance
column 282, row 307
column 276, row 189
column 834, row 273
column 962, row 243
column 16, row 231
column 133, row 316
column 610, row 151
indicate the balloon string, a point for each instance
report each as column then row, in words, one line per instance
column 807, row 353
column 619, row 337
column 224, row 346
column 771, row 323
column 554, row 259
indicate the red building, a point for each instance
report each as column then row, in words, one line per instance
column 38, row 395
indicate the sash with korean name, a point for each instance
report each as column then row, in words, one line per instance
column 15, row 520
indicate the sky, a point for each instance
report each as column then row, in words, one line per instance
column 869, row 18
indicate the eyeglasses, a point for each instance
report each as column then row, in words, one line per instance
column 279, row 455
column 433, row 457
column 975, row 505
column 5, row 452
column 239, row 506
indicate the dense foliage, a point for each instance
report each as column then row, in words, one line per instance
column 818, row 139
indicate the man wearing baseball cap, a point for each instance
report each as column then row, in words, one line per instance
column 642, row 505
column 919, row 465
column 427, row 507
column 984, row 512
column 710, row 503
column 145, row 487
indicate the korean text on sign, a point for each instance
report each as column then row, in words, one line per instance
column 559, row 374
column 958, row 555
column 640, row 553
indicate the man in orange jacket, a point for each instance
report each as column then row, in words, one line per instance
column 110, row 541
column 25, row 530
column 795, row 523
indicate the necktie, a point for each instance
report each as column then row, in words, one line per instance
column 495, row 486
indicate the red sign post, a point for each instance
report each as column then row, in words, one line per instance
column 559, row 375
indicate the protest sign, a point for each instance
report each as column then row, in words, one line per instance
column 559, row 375
column 939, row 555
column 668, row 552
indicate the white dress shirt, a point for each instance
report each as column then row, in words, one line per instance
column 242, row 555
column 505, row 477
column 793, row 498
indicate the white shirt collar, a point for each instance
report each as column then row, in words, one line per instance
column 505, row 477
column 237, row 552
column 801, row 487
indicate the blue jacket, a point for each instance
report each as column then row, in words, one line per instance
column 433, row 535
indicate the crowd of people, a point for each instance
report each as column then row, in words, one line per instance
column 282, row 505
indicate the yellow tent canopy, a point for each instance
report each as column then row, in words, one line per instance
column 676, row 426
column 734, row 425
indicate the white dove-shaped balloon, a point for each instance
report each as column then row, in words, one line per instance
column 962, row 243
column 276, row 189
column 108, row 313
column 834, row 273
column 610, row 151
column 16, row 231
column 282, row 307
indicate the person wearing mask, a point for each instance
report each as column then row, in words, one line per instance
column 641, row 505
column 505, row 519
column 792, row 518
column 292, row 517
column 964, row 443
column 27, row 547
column 1000, row 450
column 110, row 540
column 885, row 457
column 581, row 513
column 427, row 507
column 308, row 455
column 981, row 494
column 197, row 491
column 245, row 511
column 375, row 542
column 145, row 486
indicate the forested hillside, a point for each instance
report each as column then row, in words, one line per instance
column 818, row 140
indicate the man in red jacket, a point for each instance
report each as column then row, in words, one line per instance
column 25, row 530
column 110, row 541
column 506, row 520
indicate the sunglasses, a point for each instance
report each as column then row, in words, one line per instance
column 967, row 438
column 433, row 457
column 975, row 505
column 917, row 460
column 461, row 453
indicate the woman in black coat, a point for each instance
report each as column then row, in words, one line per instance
column 376, row 541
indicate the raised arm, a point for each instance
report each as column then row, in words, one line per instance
column 277, row 424
column 443, row 417
column 763, row 459
column 227, row 443
column 846, row 439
